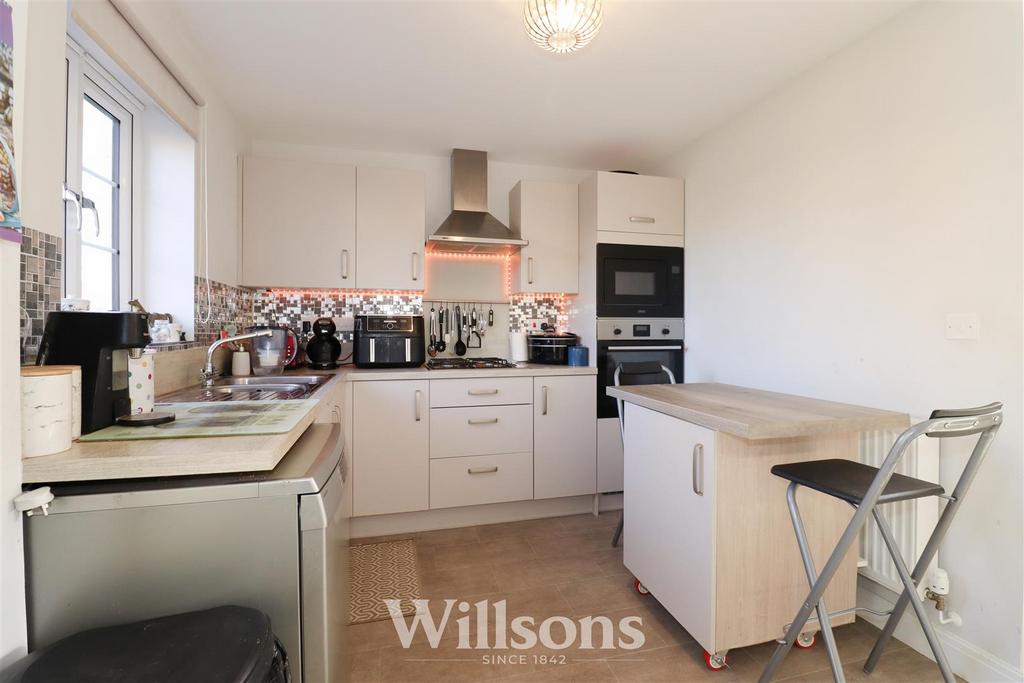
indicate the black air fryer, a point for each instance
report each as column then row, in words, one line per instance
column 389, row 341
column 323, row 349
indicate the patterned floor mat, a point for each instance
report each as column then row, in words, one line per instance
column 383, row 571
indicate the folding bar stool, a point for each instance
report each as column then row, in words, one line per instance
column 630, row 374
column 866, row 488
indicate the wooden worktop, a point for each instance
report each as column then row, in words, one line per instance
column 756, row 414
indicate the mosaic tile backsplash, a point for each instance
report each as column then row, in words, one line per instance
column 290, row 307
column 231, row 309
column 42, row 273
column 526, row 307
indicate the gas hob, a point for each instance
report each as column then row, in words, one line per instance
column 468, row 363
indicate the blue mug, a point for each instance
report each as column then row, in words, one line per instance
column 579, row 356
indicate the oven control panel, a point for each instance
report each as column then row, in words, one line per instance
column 636, row 329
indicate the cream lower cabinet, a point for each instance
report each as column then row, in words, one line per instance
column 391, row 446
column 670, row 493
column 564, row 436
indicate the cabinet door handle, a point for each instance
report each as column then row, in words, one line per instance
column 641, row 219
column 482, row 392
column 482, row 470
column 544, row 400
column 698, row 469
column 344, row 264
column 529, row 270
column 482, row 420
column 419, row 397
column 415, row 265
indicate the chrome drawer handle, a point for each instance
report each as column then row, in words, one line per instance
column 344, row 264
column 697, row 472
column 641, row 219
column 483, row 421
column 482, row 470
column 482, row 392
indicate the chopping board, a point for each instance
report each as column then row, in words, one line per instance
column 228, row 418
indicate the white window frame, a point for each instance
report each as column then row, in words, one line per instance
column 86, row 78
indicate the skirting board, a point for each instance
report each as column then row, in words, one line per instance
column 473, row 515
column 966, row 659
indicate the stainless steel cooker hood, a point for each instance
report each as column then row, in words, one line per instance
column 469, row 228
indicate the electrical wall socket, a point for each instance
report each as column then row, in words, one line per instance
column 963, row 326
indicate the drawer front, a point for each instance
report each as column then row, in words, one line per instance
column 495, row 391
column 480, row 430
column 481, row 479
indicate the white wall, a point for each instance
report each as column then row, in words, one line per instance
column 169, row 239
column 833, row 226
column 159, row 23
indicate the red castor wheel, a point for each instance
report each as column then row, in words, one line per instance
column 805, row 641
column 640, row 587
column 715, row 662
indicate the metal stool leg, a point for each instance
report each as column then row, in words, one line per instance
column 849, row 537
column 910, row 591
column 812, row 575
column 932, row 547
column 618, row 530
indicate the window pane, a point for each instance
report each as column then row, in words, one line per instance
column 98, row 278
column 104, row 197
column 99, row 134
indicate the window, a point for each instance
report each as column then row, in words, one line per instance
column 101, row 128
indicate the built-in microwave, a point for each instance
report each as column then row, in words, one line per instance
column 638, row 281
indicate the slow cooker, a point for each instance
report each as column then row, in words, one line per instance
column 551, row 348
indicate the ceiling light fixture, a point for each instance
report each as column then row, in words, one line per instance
column 562, row 25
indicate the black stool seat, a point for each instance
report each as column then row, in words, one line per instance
column 849, row 481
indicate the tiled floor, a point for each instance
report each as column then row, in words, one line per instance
column 567, row 567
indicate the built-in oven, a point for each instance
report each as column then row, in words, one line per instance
column 638, row 281
column 634, row 340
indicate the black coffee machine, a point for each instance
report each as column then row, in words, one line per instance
column 101, row 344
column 323, row 349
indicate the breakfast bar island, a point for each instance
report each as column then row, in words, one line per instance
column 707, row 530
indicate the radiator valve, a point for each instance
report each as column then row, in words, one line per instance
column 937, row 591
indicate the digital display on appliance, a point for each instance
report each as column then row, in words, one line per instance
column 641, row 330
column 632, row 283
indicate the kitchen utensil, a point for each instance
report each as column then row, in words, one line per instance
column 269, row 355
column 442, row 342
column 460, row 346
column 432, row 346
column 323, row 350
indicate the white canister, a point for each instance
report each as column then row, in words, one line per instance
column 517, row 346
column 76, row 398
column 240, row 366
column 140, row 383
column 46, row 414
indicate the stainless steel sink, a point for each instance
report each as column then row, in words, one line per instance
column 266, row 388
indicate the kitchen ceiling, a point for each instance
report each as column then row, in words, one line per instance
column 428, row 76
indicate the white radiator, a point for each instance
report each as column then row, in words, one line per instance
column 911, row 521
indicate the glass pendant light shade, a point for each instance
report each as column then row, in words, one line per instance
column 562, row 25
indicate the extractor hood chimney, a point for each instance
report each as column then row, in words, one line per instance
column 469, row 228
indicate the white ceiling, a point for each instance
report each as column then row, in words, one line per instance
column 428, row 76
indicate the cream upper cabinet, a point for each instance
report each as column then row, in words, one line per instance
column 564, row 436
column 639, row 203
column 547, row 215
column 390, row 446
column 390, row 228
column 298, row 223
